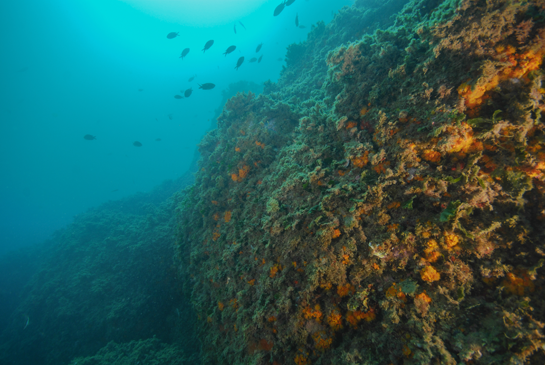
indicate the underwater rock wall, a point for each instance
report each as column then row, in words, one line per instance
column 392, row 213
column 108, row 276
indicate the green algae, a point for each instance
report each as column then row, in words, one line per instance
column 394, row 165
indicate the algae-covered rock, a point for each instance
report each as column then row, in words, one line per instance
column 145, row 352
column 108, row 276
column 399, row 215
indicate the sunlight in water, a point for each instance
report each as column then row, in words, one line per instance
column 201, row 13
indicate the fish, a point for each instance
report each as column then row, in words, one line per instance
column 188, row 92
column 184, row 53
column 140, row 89
column 178, row 96
column 297, row 20
column 302, row 26
column 230, row 49
column 157, row 139
column 208, row 45
column 172, row 35
column 170, row 116
column 258, row 47
column 289, row 2
column 279, row 9
column 137, row 144
column 242, row 24
column 235, row 28
column 259, row 60
column 207, row 86
column 279, row 59
column 253, row 59
column 89, row 137
column 239, row 62
column 191, row 78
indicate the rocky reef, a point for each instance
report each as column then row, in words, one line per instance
column 383, row 202
column 104, row 290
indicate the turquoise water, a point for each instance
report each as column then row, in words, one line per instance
column 106, row 68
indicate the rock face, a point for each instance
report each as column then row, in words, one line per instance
column 383, row 203
column 108, row 276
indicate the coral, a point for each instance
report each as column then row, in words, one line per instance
column 335, row 320
column 242, row 173
column 227, row 216
column 518, row 285
column 429, row 274
column 432, row 156
column 321, row 341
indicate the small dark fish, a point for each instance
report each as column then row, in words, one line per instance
column 207, row 86
column 191, row 78
column 296, row 20
column 178, row 97
column 172, row 35
column 279, row 9
column 89, row 137
column 258, row 47
column 208, row 45
column 184, row 53
column 170, row 116
column 302, row 26
column 157, row 139
column 140, row 89
column 279, row 59
column 113, row 191
column 242, row 24
column 235, row 28
column 289, row 2
column 188, row 92
column 230, row 49
column 239, row 62
column 259, row 60
column 253, row 59
column 137, row 144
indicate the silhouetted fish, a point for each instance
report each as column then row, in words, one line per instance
column 178, row 97
column 188, row 92
column 296, row 20
column 258, row 47
column 242, row 24
column 208, row 45
column 235, row 28
column 89, row 137
column 170, row 116
column 302, row 27
column 172, row 35
column 191, row 78
column 230, row 49
column 279, row 59
column 259, row 60
column 279, row 9
column 253, row 59
column 140, row 89
column 184, row 53
column 207, row 86
column 137, row 144
column 157, row 139
column 289, row 2
column 239, row 62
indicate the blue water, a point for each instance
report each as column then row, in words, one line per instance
column 71, row 68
